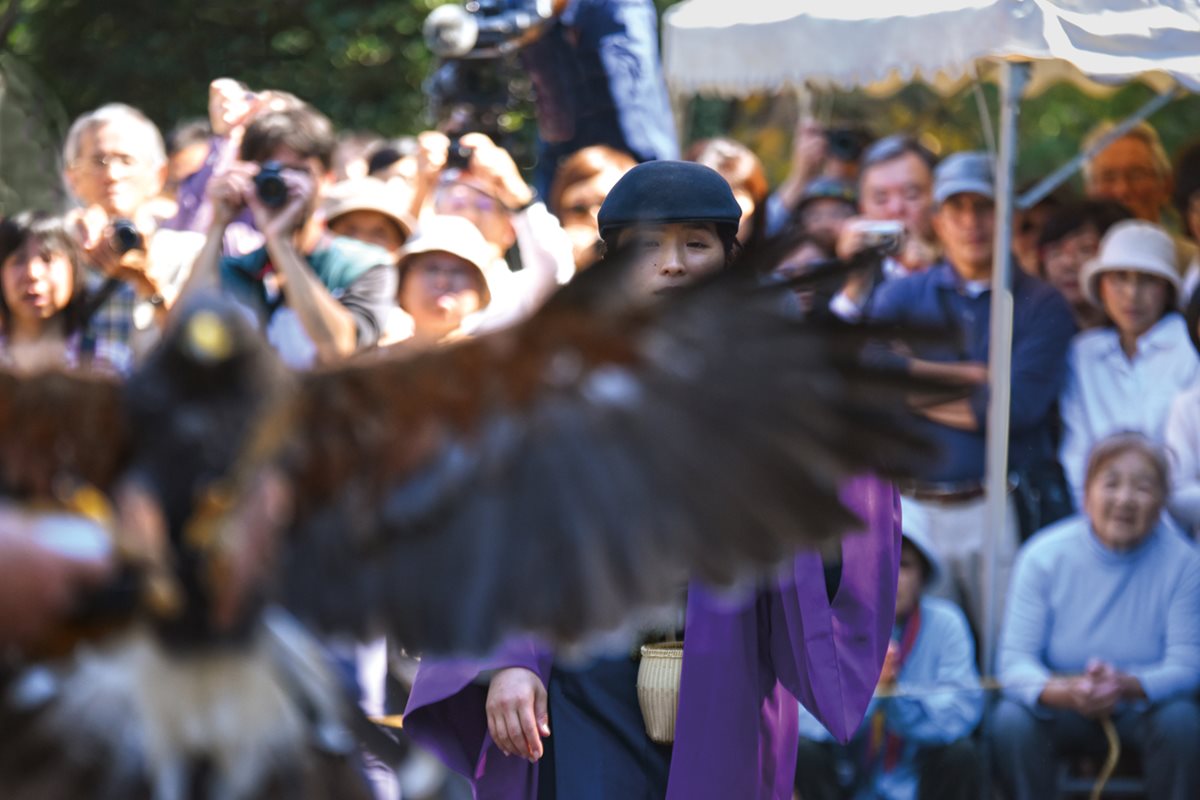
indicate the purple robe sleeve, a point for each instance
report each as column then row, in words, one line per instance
column 744, row 666
column 445, row 713
column 833, row 665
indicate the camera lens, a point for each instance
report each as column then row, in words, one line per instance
column 125, row 237
column 269, row 185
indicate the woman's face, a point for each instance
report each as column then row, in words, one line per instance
column 1133, row 300
column 439, row 291
column 1123, row 500
column 37, row 283
column 824, row 219
column 579, row 206
column 1063, row 260
column 671, row 255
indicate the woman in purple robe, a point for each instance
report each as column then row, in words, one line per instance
column 817, row 633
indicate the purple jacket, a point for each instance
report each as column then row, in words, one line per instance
column 195, row 211
column 744, row 666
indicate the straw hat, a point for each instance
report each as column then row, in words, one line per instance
column 1132, row 245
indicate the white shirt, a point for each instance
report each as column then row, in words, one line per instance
column 1106, row 392
column 1182, row 437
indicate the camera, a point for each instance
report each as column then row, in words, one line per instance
column 847, row 144
column 477, row 84
column 485, row 28
column 459, row 155
column 884, row 236
column 125, row 237
column 270, row 186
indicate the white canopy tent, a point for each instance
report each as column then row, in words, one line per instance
column 739, row 47
column 736, row 47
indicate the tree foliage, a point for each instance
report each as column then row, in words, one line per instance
column 363, row 62
column 360, row 61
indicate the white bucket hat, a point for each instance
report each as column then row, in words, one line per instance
column 1132, row 245
column 456, row 236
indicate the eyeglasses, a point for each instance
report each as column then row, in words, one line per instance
column 1133, row 175
column 457, row 275
column 101, row 162
column 459, row 197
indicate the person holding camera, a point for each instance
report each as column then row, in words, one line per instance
column 895, row 202
column 318, row 297
column 479, row 180
column 817, row 152
column 116, row 166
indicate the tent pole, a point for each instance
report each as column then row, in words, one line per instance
column 1060, row 176
column 1014, row 78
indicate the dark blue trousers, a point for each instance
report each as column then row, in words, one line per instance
column 598, row 749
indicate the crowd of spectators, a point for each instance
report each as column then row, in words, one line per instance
column 343, row 244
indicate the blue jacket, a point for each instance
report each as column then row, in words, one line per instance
column 1042, row 330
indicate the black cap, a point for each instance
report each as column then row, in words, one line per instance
column 669, row 191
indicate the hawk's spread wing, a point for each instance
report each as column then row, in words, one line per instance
column 59, row 430
column 553, row 476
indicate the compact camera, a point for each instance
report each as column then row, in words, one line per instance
column 884, row 236
column 459, row 155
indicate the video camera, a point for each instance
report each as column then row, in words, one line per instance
column 477, row 85
column 483, row 29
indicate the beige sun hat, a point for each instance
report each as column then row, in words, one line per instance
column 456, row 236
column 368, row 194
column 1135, row 245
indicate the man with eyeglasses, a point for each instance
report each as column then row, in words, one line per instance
column 318, row 297
column 116, row 165
column 1135, row 171
column 895, row 184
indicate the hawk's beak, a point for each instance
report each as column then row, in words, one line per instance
column 207, row 338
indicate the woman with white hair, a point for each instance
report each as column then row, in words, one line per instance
column 1125, row 375
column 1103, row 623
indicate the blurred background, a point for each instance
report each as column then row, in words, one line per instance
column 365, row 64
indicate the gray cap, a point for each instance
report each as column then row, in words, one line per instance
column 962, row 173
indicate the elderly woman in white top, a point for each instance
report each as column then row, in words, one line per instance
column 1125, row 375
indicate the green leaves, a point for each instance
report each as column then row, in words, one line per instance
column 360, row 62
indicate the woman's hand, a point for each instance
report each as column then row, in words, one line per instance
column 1093, row 694
column 517, row 713
column 494, row 166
